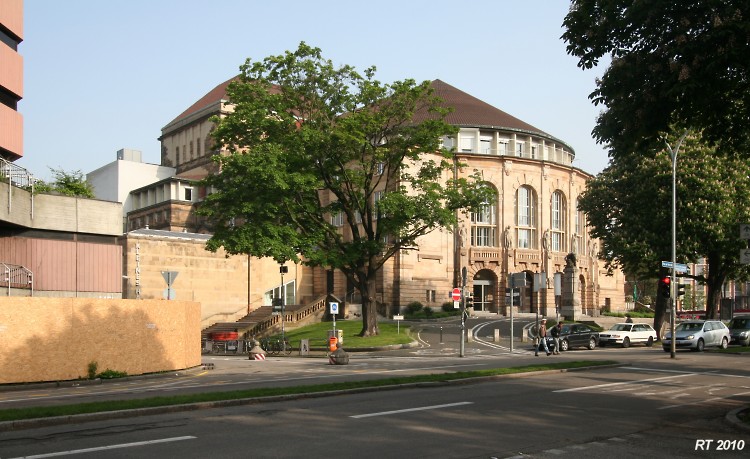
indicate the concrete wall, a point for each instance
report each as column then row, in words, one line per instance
column 55, row 339
column 59, row 213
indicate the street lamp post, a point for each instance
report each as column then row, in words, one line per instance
column 672, row 302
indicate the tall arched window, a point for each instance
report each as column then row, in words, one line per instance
column 484, row 226
column 558, row 222
column 579, row 229
column 526, row 218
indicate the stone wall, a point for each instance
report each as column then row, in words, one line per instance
column 55, row 339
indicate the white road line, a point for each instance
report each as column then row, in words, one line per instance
column 386, row 413
column 105, row 448
column 599, row 386
column 699, row 402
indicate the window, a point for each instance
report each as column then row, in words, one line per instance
column 380, row 168
column 188, row 194
column 483, row 227
column 557, row 222
column 526, row 218
column 534, row 151
column 485, row 144
column 519, row 149
column 430, row 296
column 467, row 144
column 191, row 150
column 502, row 147
column 580, row 222
column 288, row 289
column 377, row 196
column 337, row 219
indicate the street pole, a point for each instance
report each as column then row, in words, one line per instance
column 462, row 346
column 282, row 270
column 673, row 282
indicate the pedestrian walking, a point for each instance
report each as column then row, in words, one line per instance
column 542, row 335
column 556, row 332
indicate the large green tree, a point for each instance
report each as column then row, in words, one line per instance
column 671, row 61
column 332, row 168
column 629, row 208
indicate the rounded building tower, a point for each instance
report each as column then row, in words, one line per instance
column 531, row 228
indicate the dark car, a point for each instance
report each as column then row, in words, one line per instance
column 578, row 335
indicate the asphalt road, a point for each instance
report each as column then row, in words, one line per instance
column 652, row 406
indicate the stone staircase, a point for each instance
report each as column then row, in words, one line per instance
column 262, row 321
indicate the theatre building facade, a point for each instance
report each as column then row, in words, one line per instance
column 530, row 228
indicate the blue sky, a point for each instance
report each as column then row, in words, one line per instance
column 100, row 75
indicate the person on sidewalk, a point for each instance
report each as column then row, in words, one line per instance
column 556, row 332
column 542, row 335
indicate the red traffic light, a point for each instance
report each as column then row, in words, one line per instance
column 664, row 289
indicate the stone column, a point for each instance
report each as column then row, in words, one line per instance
column 570, row 306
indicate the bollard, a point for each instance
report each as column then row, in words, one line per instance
column 441, row 335
column 497, row 335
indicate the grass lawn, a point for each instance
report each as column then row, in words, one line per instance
column 390, row 333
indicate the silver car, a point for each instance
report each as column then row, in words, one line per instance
column 696, row 335
column 739, row 327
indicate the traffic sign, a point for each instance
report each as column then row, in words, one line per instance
column 456, row 295
column 745, row 256
column 679, row 267
column 334, row 308
column 745, row 231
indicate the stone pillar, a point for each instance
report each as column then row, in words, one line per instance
column 570, row 306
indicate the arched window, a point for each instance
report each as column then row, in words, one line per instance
column 580, row 227
column 526, row 218
column 558, row 222
column 484, row 226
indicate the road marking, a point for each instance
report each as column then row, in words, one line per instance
column 433, row 407
column 105, row 448
column 599, row 386
column 699, row 402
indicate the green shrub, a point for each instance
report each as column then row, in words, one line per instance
column 447, row 306
column 428, row 311
column 414, row 307
column 111, row 374
column 91, row 371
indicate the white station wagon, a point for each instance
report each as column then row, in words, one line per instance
column 626, row 334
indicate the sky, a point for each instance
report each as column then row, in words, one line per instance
column 101, row 75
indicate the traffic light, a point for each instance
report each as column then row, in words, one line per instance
column 681, row 289
column 664, row 284
column 469, row 301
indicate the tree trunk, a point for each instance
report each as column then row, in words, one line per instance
column 660, row 313
column 714, row 297
column 369, row 309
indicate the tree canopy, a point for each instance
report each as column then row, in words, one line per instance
column 330, row 167
column 678, row 61
column 629, row 208
column 66, row 183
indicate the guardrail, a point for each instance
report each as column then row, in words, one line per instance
column 16, row 276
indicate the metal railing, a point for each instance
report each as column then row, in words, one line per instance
column 16, row 276
column 19, row 177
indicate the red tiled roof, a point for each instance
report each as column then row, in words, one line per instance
column 470, row 111
column 213, row 96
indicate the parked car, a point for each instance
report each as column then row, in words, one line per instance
column 578, row 335
column 739, row 329
column 626, row 334
column 697, row 335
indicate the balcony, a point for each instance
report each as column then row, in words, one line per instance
column 485, row 254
